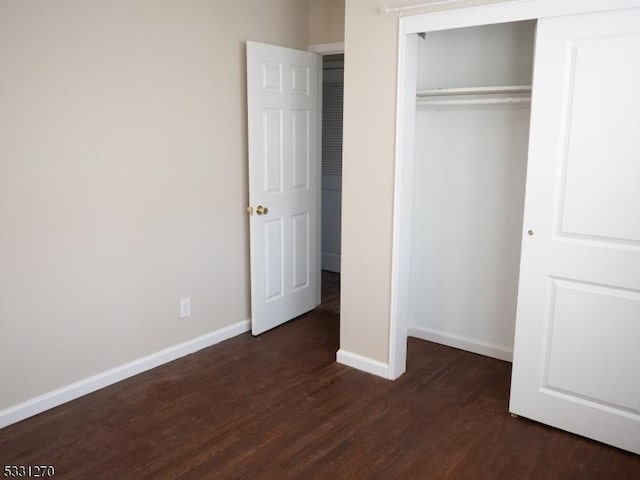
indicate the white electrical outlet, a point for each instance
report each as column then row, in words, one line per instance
column 185, row 307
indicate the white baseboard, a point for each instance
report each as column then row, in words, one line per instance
column 82, row 387
column 464, row 343
column 365, row 364
column 331, row 262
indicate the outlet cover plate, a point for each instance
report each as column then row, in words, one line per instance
column 185, row 307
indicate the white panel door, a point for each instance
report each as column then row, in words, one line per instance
column 577, row 343
column 284, row 176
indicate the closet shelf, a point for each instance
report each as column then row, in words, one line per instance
column 440, row 92
column 474, row 101
column 479, row 96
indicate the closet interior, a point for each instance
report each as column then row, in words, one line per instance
column 473, row 99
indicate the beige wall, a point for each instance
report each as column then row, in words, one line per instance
column 367, row 178
column 326, row 21
column 122, row 178
column 371, row 45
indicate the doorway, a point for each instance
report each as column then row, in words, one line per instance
column 332, row 107
column 285, row 179
column 332, row 68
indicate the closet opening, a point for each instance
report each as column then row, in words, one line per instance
column 461, row 251
column 465, row 186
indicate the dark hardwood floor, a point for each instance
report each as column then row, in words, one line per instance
column 278, row 406
column 330, row 292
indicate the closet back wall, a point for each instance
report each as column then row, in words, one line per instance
column 469, row 179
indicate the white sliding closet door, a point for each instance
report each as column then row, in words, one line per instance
column 577, row 345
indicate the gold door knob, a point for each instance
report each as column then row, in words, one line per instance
column 260, row 210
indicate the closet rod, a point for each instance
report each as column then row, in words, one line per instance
column 387, row 10
column 475, row 101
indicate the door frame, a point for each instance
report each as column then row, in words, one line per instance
column 458, row 16
column 323, row 49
